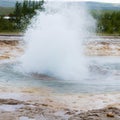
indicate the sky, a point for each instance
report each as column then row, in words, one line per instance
column 105, row 1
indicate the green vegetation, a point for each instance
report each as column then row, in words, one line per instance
column 6, row 10
column 20, row 17
column 108, row 21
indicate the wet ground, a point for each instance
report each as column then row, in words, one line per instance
column 20, row 99
column 102, row 55
column 11, row 46
column 103, row 46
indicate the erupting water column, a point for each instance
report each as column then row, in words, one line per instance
column 54, row 41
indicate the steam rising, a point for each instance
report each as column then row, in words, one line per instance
column 54, row 41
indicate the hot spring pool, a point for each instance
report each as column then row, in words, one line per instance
column 104, row 76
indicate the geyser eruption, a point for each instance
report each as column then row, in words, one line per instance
column 54, row 41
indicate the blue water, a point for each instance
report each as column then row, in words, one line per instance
column 104, row 76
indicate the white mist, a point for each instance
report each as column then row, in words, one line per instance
column 54, row 41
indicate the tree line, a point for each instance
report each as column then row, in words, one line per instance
column 20, row 17
column 108, row 22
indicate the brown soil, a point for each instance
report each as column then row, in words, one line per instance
column 10, row 49
column 109, row 113
column 102, row 48
column 36, row 111
column 40, row 111
column 47, row 108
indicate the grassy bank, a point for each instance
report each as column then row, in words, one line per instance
column 11, row 33
column 6, row 10
column 108, row 34
column 108, row 21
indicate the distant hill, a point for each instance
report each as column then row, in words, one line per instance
column 7, row 3
column 6, row 10
column 102, row 6
column 91, row 5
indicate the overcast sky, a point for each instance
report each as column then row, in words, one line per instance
column 106, row 1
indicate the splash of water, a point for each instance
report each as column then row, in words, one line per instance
column 54, row 41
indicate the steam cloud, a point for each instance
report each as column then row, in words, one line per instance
column 54, row 41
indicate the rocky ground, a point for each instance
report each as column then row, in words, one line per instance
column 110, row 113
column 108, row 47
column 44, row 104
column 10, row 49
column 47, row 107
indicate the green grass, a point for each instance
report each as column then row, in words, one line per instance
column 6, row 10
column 103, row 11
column 108, row 34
